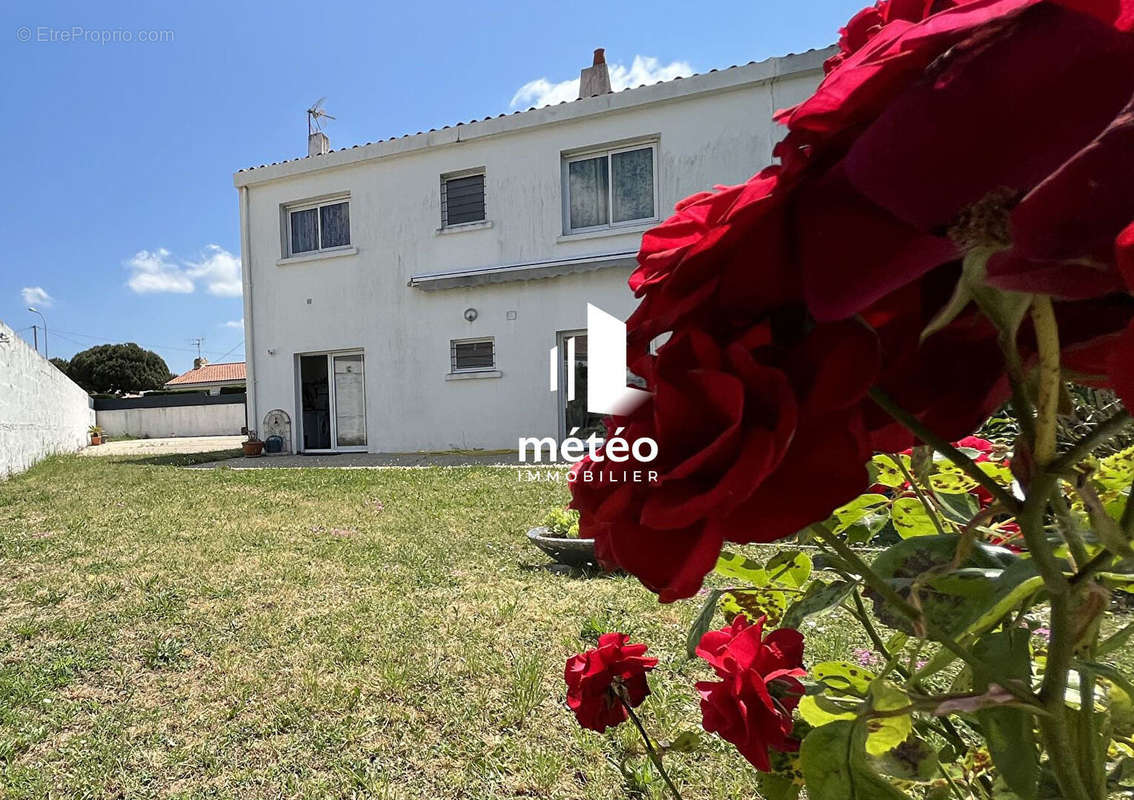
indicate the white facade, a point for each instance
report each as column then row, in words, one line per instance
column 400, row 292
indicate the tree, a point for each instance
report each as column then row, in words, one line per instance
column 118, row 368
column 61, row 364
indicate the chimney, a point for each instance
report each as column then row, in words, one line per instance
column 199, row 362
column 318, row 144
column 595, row 79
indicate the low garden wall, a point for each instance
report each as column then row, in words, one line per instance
column 160, row 416
column 42, row 411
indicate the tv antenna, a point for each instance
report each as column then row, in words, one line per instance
column 197, row 343
column 314, row 113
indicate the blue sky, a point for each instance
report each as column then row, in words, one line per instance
column 119, row 156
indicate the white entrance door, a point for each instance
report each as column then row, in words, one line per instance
column 332, row 402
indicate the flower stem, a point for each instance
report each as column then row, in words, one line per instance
column 1104, row 430
column 1047, row 400
column 914, row 425
column 654, row 757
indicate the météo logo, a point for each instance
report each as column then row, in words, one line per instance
column 607, row 394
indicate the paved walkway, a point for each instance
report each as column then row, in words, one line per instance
column 365, row 461
column 163, row 447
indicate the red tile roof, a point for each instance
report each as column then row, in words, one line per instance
column 211, row 373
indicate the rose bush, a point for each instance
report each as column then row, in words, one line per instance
column 859, row 222
column 950, row 227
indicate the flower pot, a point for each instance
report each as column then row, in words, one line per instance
column 96, row 439
column 252, row 449
column 576, row 553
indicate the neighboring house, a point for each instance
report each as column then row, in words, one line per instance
column 209, row 377
column 403, row 295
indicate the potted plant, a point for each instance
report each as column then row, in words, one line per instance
column 558, row 536
column 96, row 435
column 253, row 447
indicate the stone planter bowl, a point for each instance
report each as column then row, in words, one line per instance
column 576, row 553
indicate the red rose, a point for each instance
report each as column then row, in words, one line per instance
column 743, row 431
column 936, row 162
column 599, row 680
column 751, row 706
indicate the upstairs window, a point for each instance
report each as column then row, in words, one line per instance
column 472, row 355
column 462, row 198
column 610, row 188
column 312, row 227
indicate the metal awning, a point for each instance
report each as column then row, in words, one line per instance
column 532, row 270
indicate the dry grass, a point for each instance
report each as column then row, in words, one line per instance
column 313, row 633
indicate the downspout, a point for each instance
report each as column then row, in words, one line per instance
column 250, row 412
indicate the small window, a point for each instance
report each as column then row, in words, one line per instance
column 472, row 355
column 612, row 188
column 317, row 226
column 462, row 199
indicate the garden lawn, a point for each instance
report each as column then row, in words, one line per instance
column 317, row 633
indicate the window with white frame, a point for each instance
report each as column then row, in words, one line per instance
column 609, row 188
column 315, row 226
column 462, row 198
column 472, row 355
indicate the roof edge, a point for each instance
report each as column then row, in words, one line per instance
column 753, row 73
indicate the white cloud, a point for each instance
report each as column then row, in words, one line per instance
column 644, row 69
column 157, row 271
column 153, row 271
column 36, row 296
column 234, row 323
column 220, row 272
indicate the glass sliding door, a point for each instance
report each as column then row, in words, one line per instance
column 350, row 401
column 573, row 375
column 315, row 402
column 332, row 402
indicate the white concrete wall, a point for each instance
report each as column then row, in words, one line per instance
column 720, row 134
column 211, row 420
column 42, row 411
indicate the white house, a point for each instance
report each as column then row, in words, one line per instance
column 403, row 295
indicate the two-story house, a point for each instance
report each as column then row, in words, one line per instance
column 403, row 295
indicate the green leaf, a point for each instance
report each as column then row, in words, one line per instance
column 1009, row 732
column 818, row 598
column 738, row 567
column 843, row 677
column 817, row 711
column 835, row 767
column 774, row 786
column 886, row 472
column 755, row 603
column 958, row 508
column 686, row 742
column 789, row 568
column 912, row 760
column 911, row 519
column 951, row 479
column 1116, row 472
column 886, row 733
column 702, row 623
column 856, row 510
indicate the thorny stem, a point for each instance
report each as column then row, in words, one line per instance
column 1055, row 727
column 654, row 757
column 1047, row 400
column 1103, row 431
column 946, row 449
